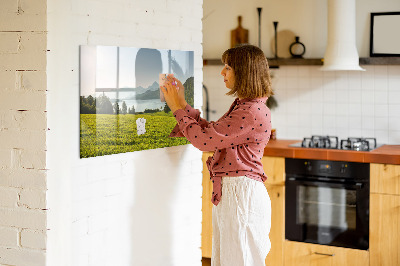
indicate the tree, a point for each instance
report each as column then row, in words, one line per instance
column 189, row 90
column 116, row 108
column 166, row 108
column 132, row 110
column 90, row 100
column 87, row 105
column 124, row 108
column 104, row 105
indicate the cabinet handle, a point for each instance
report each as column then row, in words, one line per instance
column 324, row 254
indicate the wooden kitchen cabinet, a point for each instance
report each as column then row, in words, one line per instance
column 384, row 236
column 206, row 225
column 277, row 233
column 274, row 168
column 385, row 178
column 385, row 215
column 305, row 254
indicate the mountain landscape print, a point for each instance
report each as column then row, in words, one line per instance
column 120, row 106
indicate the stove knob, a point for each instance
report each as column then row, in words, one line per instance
column 343, row 168
column 308, row 166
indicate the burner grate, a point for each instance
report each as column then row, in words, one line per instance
column 327, row 142
column 358, row 144
column 332, row 142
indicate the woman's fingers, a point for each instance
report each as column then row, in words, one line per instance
column 174, row 96
column 170, row 88
column 164, row 90
column 179, row 83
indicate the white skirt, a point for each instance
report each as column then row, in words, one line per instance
column 241, row 223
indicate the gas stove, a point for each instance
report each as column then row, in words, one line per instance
column 332, row 142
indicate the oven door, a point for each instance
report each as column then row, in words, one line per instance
column 327, row 213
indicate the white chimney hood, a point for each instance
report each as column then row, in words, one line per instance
column 341, row 51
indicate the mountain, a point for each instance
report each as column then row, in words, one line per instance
column 154, row 86
column 140, row 89
column 148, row 95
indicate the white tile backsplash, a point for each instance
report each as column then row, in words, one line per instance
column 394, row 123
column 394, row 110
column 367, row 109
column 394, row 82
column 367, row 96
column 381, row 96
column 394, row 97
column 355, row 109
column 394, row 137
column 343, row 103
column 381, row 83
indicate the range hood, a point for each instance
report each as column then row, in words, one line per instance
column 341, row 51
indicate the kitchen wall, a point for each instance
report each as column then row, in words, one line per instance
column 311, row 102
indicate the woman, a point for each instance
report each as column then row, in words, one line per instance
column 242, row 208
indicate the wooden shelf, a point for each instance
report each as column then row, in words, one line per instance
column 274, row 63
column 380, row 61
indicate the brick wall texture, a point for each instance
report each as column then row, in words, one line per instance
column 23, row 132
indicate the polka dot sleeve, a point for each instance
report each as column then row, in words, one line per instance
column 193, row 113
column 230, row 131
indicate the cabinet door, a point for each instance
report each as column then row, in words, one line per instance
column 274, row 168
column 304, row 254
column 384, row 230
column 385, row 178
column 206, row 226
column 277, row 233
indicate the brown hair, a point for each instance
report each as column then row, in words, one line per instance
column 250, row 66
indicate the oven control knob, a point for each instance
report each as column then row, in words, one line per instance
column 343, row 168
column 308, row 166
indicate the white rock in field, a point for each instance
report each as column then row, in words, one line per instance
column 141, row 126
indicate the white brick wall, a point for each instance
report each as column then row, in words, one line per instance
column 140, row 208
column 33, row 239
column 23, row 132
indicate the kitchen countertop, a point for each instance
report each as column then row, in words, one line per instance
column 389, row 154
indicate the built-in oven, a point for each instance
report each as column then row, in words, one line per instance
column 327, row 202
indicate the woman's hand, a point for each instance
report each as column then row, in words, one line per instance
column 181, row 92
column 172, row 95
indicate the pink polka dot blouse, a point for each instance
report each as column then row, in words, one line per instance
column 238, row 139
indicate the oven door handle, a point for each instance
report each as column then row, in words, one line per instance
column 324, row 254
column 357, row 185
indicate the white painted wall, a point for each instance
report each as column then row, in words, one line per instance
column 311, row 102
column 23, row 133
column 141, row 208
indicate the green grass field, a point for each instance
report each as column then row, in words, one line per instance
column 104, row 134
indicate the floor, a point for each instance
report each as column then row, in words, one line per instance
column 206, row 261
